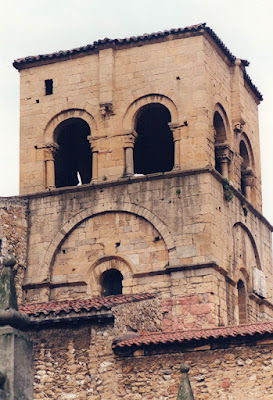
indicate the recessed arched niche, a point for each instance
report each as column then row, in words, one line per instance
column 122, row 241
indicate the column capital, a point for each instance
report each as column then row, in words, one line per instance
column 223, row 152
column 93, row 140
column 50, row 149
column 248, row 176
column 175, row 127
column 129, row 139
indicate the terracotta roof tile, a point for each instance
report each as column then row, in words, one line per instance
column 21, row 63
column 96, row 303
column 195, row 334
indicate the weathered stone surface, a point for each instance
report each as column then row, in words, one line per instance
column 16, row 361
column 189, row 235
column 185, row 392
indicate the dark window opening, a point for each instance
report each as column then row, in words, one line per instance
column 111, row 282
column 48, row 86
column 244, row 165
column 242, row 302
column 154, row 147
column 73, row 160
column 220, row 137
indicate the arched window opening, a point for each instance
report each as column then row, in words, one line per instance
column 242, row 302
column 244, row 165
column 154, row 147
column 220, row 138
column 111, row 282
column 73, row 161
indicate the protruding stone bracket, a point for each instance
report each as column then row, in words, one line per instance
column 185, row 391
column 238, row 126
column 106, row 109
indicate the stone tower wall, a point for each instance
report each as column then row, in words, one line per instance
column 190, row 76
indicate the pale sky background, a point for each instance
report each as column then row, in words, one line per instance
column 31, row 27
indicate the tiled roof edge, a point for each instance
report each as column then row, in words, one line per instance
column 21, row 62
column 159, row 338
column 254, row 88
column 97, row 303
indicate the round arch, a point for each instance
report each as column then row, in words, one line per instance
column 243, row 275
column 253, row 243
column 106, row 263
column 222, row 112
column 129, row 116
column 247, row 143
column 63, row 116
column 70, row 225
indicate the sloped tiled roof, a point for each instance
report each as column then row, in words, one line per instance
column 21, row 63
column 195, row 334
column 96, row 303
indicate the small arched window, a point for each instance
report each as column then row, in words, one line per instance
column 220, row 138
column 242, row 308
column 111, row 282
column 73, row 160
column 245, row 164
column 154, row 147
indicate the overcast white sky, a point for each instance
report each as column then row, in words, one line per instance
column 31, row 27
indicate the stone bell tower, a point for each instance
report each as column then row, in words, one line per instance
column 140, row 160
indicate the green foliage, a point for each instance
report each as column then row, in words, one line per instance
column 228, row 192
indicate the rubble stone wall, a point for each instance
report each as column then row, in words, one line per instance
column 78, row 363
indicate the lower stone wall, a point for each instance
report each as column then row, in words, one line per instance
column 77, row 362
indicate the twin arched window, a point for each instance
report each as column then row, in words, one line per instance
column 153, row 150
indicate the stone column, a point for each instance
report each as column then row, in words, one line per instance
column 175, row 128
column 49, row 156
column 248, row 177
column 95, row 159
column 224, row 156
column 129, row 153
column 185, row 391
